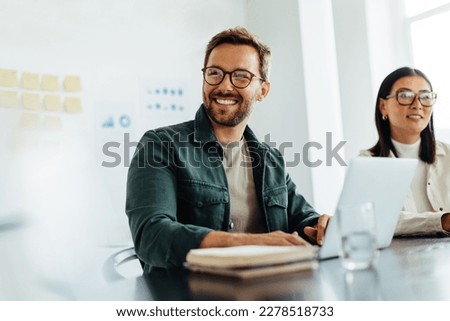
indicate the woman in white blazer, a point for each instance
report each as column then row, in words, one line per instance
column 404, row 120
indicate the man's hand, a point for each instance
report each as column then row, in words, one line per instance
column 317, row 232
column 225, row 239
column 445, row 221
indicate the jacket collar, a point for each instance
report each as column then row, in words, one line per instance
column 440, row 149
column 204, row 133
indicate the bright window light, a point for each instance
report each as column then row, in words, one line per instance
column 414, row 7
column 431, row 52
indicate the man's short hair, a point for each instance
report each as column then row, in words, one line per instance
column 241, row 36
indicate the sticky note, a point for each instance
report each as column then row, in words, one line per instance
column 72, row 83
column 52, row 123
column 30, row 81
column 50, row 83
column 52, row 102
column 8, row 78
column 30, row 121
column 9, row 99
column 31, row 101
column 72, row 104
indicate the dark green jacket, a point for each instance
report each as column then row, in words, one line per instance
column 177, row 191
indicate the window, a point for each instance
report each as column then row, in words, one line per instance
column 416, row 7
column 429, row 22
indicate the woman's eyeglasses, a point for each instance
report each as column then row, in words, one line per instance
column 406, row 97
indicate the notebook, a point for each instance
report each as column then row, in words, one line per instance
column 252, row 261
column 381, row 180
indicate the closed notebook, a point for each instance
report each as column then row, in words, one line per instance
column 251, row 261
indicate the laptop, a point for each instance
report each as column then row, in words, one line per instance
column 381, row 180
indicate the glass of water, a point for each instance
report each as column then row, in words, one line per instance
column 358, row 235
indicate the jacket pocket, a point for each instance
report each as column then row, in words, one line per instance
column 276, row 197
column 202, row 203
column 276, row 203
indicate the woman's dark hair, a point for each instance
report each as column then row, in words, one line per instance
column 382, row 148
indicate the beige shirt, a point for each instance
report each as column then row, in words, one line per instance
column 244, row 208
column 413, row 221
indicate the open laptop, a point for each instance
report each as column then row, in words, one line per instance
column 381, row 180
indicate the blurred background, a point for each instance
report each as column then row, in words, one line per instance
column 81, row 81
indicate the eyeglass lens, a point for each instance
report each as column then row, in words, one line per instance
column 407, row 97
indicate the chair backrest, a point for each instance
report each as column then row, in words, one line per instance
column 110, row 269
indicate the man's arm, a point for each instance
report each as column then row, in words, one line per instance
column 151, row 205
column 445, row 221
column 303, row 217
column 225, row 239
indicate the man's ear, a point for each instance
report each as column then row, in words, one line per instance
column 264, row 90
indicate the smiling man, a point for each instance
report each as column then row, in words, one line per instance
column 209, row 182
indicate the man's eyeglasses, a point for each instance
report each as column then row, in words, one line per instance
column 240, row 78
column 406, row 97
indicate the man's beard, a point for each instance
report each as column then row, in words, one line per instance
column 233, row 119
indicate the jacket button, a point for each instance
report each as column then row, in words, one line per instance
column 441, row 208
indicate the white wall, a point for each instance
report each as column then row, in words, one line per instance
column 388, row 40
column 355, row 71
column 323, row 102
column 283, row 115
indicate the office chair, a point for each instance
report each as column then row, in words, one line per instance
column 112, row 266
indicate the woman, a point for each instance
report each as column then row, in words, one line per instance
column 404, row 120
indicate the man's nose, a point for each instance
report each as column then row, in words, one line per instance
column 226, row 84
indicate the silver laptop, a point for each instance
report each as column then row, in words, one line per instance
column 381, row 180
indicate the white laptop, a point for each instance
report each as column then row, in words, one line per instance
column 381, row 180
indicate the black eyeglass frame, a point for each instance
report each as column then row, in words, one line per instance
column 231, row 76
column 395, row 94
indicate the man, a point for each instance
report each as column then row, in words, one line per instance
column 209, row 182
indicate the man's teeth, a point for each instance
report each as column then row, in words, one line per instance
column 415, row 116
column 226, row 101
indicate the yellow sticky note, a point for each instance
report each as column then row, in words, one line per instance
column 8, row 99
column 72, row 104
column 30, row 121
column 8, row 78
column 50, row 83
column 30, row 81
column 52, row 102
column 52, row 123
column 31, row 101
column 72, row 83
